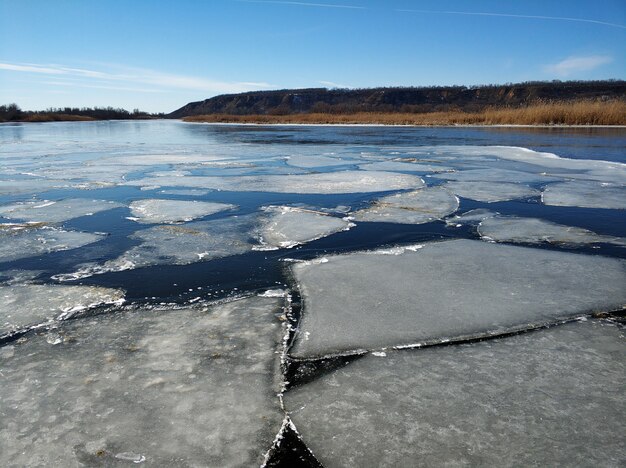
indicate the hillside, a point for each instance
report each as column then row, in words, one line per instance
column 404, row 100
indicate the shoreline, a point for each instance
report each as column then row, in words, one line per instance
column 281, row 124
column 300, row 124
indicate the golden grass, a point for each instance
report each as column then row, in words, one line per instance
column 567, row 113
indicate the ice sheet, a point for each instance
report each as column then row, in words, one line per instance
column 403, row 167
column 180, row 245
column 606, row 171
column 446, row 290
column 26, row 305
column 491, row 192
column 417, row 207
column 55, row 211
column 547, row 398
column 333, row 182
column 537, row 231
column 496, row 175
column 173, row 211
column 286, row 227
column 471, row 217
column 586, row 194
column 29, row 186
column 316, row 160
column 190, row 387
column 28, row 242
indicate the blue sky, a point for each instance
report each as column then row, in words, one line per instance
column 157, row 55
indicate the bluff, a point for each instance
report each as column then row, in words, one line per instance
column 410, row 99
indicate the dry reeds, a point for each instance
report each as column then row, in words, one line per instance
column 565, row 113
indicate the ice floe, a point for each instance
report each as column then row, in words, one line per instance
column 417, row 207
column 286, row 227
column 497, row 176
column 173, row 211
column 586, row 194
column 317, row 160
column 189, row 387
column 179, row 245
column 536, row 231
column 332, row 182
column 471, row 217
column 55, row 211
column 551, row 397
column 401, row 166
column 491, row 191
column 26, row 305
column 446, row 291
column 24, row 241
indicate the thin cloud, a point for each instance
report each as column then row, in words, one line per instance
column 331, row 84
column 507, row 15
column 578, row 64
column 137, row 76
column 307, row 4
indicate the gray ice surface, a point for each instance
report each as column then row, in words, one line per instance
column 331, row 182
column 286, row 227
column 25, row 305
column 49, row 211
column 30, row 242
column 471, row 217
column 417, row 207
column 445, row 291
column 173, row 211
column 490, row 192
column 530, row 160
column 189, row 388
column 179, row 244
column 496, row 175
column 401, row 166
column 29, row 186
column 537, row 231
column 553, row 397
column 185, row 192
column 317, row 160
column 586, row 194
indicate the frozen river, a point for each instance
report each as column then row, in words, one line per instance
column 177, row 294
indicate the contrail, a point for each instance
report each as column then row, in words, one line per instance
column 507, row 15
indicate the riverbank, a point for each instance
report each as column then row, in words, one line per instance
column 574, row 113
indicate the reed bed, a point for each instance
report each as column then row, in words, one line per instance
column 565, row 113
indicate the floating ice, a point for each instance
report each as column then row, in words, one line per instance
column 23, row 243
column 551, row 398
column 530, row 160
column 417, row 207
column 333, row 182
column 471, row 217
column 536, row 231
column 179, row 245
column 491, row 192
column 403, row 167
column 446, row 290
column 185, row 192
column 29, row 186
column 27, row 305
column 173, row 211
column 586, row 195
column 55, row 211
column 286, row 227
column 189, row 387
column 310, row 161
column 496, row 175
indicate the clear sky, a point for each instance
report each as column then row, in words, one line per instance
column 158, row 55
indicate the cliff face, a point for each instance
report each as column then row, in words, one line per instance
column 402, row 99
